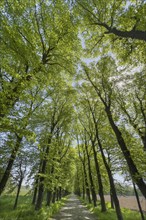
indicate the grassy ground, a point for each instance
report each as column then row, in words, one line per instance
column 25, row 211
column 111, row 214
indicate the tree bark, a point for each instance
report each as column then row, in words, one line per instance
column 35, row 193
column 100, row 185
column 10, row 164
column 134, row 34
column 83, row 193
column 78, row 181
column 86, row 184
column 138, row 202
column 54, row 195
column 36, row 184
column 57, row 194
column 49, row 197
column 112, row 201
column 94, row 199
column 60, row 193
column 18, row 191
column 35, row 190
column 42, row 178
column 111, row 180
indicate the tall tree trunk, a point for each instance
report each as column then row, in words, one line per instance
column 111, row 180
column 60, row 193
column 49, row 197
column 100, row 185
column 18, row 191
column 94, row 199
column 136, row 177
column 35, row 190
column 83, row 193
column 78, row 181
column 54, row 196
column 10, row 164
column 138, row 202
column 57, row 194
column 36, row 184
column 40, row 194
column 86, row 184
column 42, row 178
column 112, row 201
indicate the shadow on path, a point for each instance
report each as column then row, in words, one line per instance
column 74, row 210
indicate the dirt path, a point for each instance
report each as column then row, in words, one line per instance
column 74, row 210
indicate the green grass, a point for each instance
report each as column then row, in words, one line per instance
column 110, row 214
column 25, row 211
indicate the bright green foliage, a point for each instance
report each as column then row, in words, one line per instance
column 38, row 41
column 47, row 92
column 114, row 26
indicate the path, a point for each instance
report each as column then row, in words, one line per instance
column 74, row 210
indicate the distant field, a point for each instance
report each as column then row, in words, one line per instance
column 23, row 191
column 130, row 202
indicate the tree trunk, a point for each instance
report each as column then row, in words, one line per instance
column 138, row 202
column 100, row 191
column 36, row 185
column 54, row 196
column 112, row 201
column 41, row 183
column 111, row 180
column 10, row 164
column 57, row 194
column 94, row 199
column 60, row 193
column 49, row 197
column 78, row 181
column 42, row 178
column 18, row 191
column 35, row 192
column 83, row 191
column 40, row 194
column 86, row 184
column 132, row 167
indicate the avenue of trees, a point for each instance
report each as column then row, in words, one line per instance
column 66, row 124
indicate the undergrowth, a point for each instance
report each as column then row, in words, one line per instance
column 25, row 211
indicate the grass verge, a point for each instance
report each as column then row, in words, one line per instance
column 25, row 210
column 110, row 214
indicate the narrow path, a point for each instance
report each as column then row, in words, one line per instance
column 74, row 210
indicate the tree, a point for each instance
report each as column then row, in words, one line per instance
column 110, row 16
column 82, row 157
column 57, row 114
column 115, row 27
column 19, row 174
column 104, row 90
column 86, row 119
column 42, row 31
column 133, row 105
column 17, row 124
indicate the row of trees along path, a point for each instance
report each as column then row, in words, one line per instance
column 65, row 120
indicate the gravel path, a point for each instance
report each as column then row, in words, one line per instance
column 74, row 210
